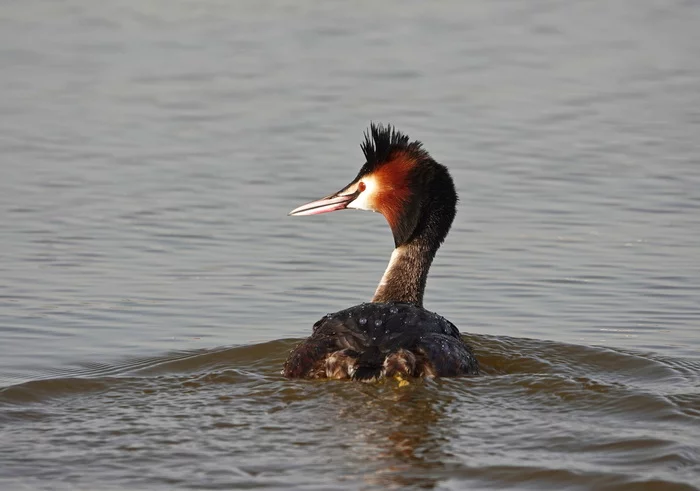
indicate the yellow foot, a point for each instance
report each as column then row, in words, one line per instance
column 402, row 381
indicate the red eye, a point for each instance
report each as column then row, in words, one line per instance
column 361, row 186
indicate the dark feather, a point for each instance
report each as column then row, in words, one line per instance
column 369, row 364
column 375, row 331
column 382, row 142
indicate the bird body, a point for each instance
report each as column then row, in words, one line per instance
column 375, row 340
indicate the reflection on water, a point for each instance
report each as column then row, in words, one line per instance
column 544, row 415
column 149, row 153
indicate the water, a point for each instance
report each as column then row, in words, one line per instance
column 151, row 283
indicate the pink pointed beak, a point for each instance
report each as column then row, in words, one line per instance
column 330, row 203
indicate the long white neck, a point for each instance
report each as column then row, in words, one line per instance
column 405, row 276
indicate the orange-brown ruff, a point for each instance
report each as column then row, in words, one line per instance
column 394, row 334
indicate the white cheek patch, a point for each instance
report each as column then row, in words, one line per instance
column 366, row 198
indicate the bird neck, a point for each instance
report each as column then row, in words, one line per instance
column 405, row 277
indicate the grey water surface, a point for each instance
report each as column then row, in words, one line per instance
column 151, row 283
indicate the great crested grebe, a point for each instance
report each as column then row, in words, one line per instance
column 393, row 335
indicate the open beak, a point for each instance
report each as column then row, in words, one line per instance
column 337, row 201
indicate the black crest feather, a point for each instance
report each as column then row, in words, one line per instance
column 381, row 141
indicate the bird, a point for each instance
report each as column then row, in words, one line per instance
column 393, row 335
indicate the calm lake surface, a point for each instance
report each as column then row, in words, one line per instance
column 151, row 283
